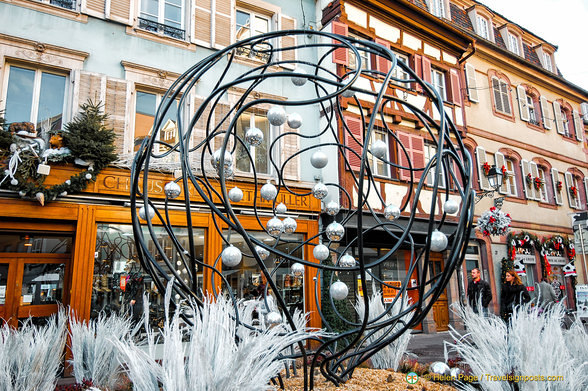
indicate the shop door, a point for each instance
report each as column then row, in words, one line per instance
column 33, row 286
column 441, row 306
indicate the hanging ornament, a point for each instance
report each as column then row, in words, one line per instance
column 338, row 290
column 22, row 193
column 268, row 192
column 439, row 368
column 281, row 208
column 299, row 80
column 63, row 193
column 254, row 136
column 347, row 261
column 41, row 198
column 172, row 190
column 297, row 269
column 14, row 182
column 273, row 318
column 391, row 212
column 235, row 194
column 262, row 252
column 319, row 159
column 294, row 120
column 451, row 206
column 276, row 116
column 142, row 214
column 89, row 176
column 275, row 227
column 68, row 182
column 332, row 208
column 570, row 270
column 379, row 149
column 519, row 268
column 228, row 163
column 335, row 231
column 320, row 191
column 231, row 256
column 289, row 225
column 321, row 252
column 438, row 241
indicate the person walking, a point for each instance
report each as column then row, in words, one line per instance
column 513, row 294
column 546, row 296
column 479, row 293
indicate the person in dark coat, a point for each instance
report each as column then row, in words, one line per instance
column 513, row 294
column 479, row 292
column 546, row 296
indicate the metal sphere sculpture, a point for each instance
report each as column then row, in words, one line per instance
column 256, row 75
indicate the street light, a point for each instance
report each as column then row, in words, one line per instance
column 495, row 180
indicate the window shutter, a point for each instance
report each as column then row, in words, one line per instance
column 426, row 70
column 288, row 23
column 500, row 162
column 94, row 8
column 544, row 113
column 289, row 146
column 418, row 155
column 202, row 22
column 340, row 55
column 497, row 95
column 555, row 180
column 569, row 183
column 526, row 169
column 585, row 192
column 471, row 80
column 455, row 87
column 535, row 173
column 578, row 126
column 558, row 118
column 118, row 93
column 481, row 156
column 417, row 67
column 88, row 85
column 505, row 93
column 382, row 64
column 355, row 126
column 523, row 108
column 404, row 139
column 584, row 108
column 119, row 11
column 222, row 23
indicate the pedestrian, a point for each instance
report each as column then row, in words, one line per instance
column 479, row 293
column 513, row 294
column 546, row 296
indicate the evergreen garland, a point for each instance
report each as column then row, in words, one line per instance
column 337, row 324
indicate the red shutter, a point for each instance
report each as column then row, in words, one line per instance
column 382, row 64
column 417, row 61
column 404, row 139
column 426, row 75
column 418, row 155
column 415, row 149
column 455, row 87
column 340, row 55
column 355, row 126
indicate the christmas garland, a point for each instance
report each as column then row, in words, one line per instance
column 25, row 155
column 494, row 222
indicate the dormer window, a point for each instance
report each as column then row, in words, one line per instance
column 513, row 44
column 437, row 8
column 482, row 27
column 547, row 63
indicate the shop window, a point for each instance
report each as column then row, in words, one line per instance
column 501, row 95
column 11, row 242
column 145, row 109
column 531, row 278
column 42, row 283
column 438, row 81
column 431, row 153
column 36, row 96
column 259, row 155
column 379, row 166
column 119, row 281
column 163, row 17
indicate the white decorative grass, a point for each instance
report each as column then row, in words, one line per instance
column 30, row 356
column 534, row 345
column 390, row 356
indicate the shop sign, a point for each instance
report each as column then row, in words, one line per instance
column 582, row 301
column 388, row 292
column 525, row 258
column 557, row 260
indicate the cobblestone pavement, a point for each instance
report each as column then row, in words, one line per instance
column 429, row 347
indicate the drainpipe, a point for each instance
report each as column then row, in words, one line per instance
column 470, row 52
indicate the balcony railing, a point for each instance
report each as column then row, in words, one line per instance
column 67, row 4
column 170, row 31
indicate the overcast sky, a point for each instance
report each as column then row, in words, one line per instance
column 563, row 23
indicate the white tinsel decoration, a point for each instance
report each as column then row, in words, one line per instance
column 494, row 222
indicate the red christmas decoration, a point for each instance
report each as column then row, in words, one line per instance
column 486, row 167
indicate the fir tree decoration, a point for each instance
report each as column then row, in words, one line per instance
column 344, row 309
column 506, row 264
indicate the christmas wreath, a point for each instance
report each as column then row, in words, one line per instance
column 574, row 191
column 494, row 222
column 538, row 183
column 25, row 154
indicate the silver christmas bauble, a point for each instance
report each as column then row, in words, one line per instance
column 438, row 241
column 89, row 176
column 338, row 290
column 335, row 231
column 268, row 192
column 321, row 252
column 320, row 191
column 63, row 193
column 379, row 149
column 297, row 269
column 391, row 212
column 254, row 136
column 262, row 252
column 281, row 208
column 439, row 368
column 273, row 318
column 299, row 80
column 332, row 208
column 294, row 120
column 235, row 194
column 275, row 227
column 450, row 206
column 231, row 256
column 347, row 261
column 142, row 214
column 276, row 116
column 22, row 193
column 289, row 225
column 68, row 182
column 172, row 190
column 14, row 182
column 227, row 165
column 319, row 159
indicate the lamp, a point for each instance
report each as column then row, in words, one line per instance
column 495, row 180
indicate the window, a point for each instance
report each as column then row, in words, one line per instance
column 501, row 92
column 249, row 24
column 567, row 130
column 543, row 189
column 438, row 81
column 483, row 27
column 430, row 153
column 35, row 96
column 260, row 153
column 163, row 17
column 400, row 73
column 510, row 184
column 365, row 56
column 437, row 7
column 575, row 200
column 146, row 106
column 379, row 167
column 513, row 44
column 547, row 63
column 533, row 118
